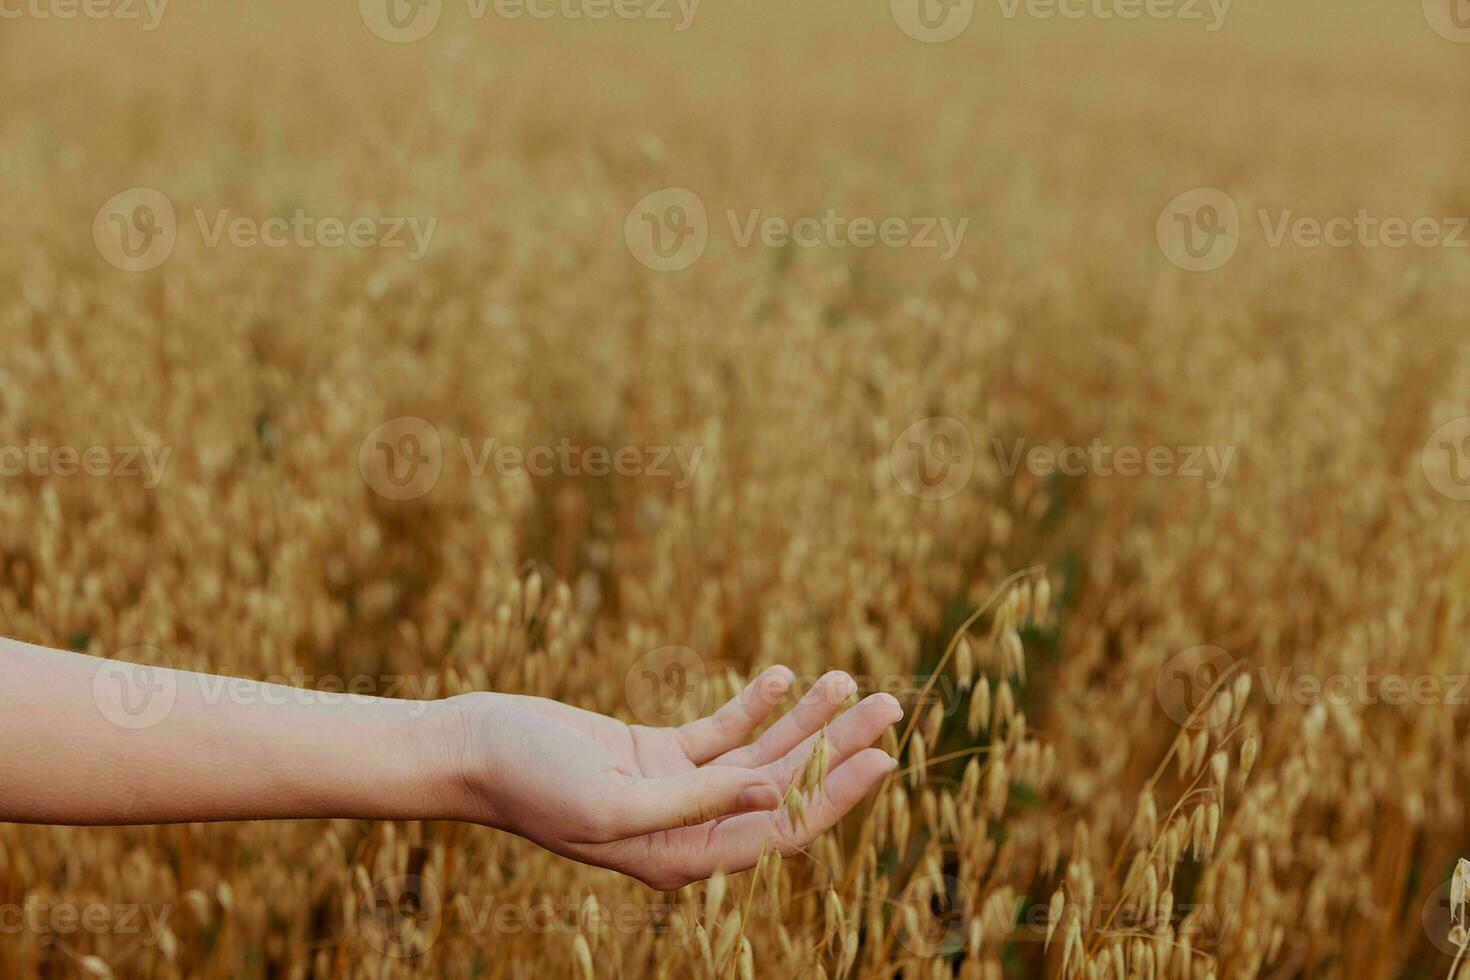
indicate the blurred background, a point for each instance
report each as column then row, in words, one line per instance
column 827, row 274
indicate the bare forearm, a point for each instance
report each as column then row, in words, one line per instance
column 91, row 741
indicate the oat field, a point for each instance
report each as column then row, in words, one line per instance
column 1096, row 383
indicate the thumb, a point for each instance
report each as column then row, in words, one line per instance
column 694, row 797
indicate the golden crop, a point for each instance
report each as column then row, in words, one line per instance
column 1150, row 728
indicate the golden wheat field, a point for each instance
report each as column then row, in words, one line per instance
column 1094, row 377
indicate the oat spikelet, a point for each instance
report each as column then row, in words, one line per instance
column 1249, row 749
column 964, row 663
column 918, row 761
column 795, row 805
column 831, row 917
column 979, row 713
column 583, row 956
column 1053, row 916
column 814, row 774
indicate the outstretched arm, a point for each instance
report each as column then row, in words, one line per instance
column 93, row 741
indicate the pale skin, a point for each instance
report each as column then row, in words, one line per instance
column 667, row 806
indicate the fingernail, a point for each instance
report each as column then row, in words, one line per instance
column 758, row 798
column 891, row 701
column 842, row 685
column 892, row 764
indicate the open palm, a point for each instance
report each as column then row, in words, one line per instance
column 669, row 805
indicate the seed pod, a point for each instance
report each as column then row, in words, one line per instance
column 1147, row 825
column 1183, row 750
column 1201, row 750
column 970, row 782
column 1014, row 654
column 587, row 918
column 964, row 663
column 714, row 896
column 773, row 874
column 705, row 952
column 814, row 774
column 1041, row 601
column 533, row 595
column 582, row 955
column 1053, row 916
column 934, row 723
column 747, row 960
column 979, row 715
column 997, row 787
column 849, row 953
column 832, row 918
column 900, row 818
column 796, row 807
column 1248, row 751
column 1219, row 769
column 96, row 966
column 1005, row 703
column 1241, row 692
column 918, row 760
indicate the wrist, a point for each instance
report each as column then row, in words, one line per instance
column 457, row 767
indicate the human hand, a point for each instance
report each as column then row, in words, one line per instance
column 665, row 805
